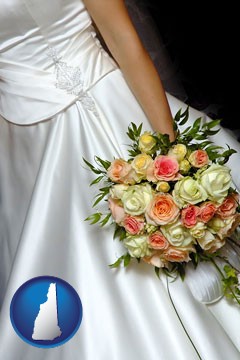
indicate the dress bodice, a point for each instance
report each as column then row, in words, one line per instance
column 49, row 54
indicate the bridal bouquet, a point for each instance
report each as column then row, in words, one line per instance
column 171, row 202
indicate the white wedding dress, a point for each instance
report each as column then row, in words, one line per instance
column 63, row 98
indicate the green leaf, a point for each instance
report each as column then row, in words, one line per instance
column 105, row 163
column 95, row 170
column 127, row 259
column 99, row 198
column 105, row 219
column 97, row 180
column 211, row 124
column 94, row 218
column 117, row 263
column 157, row 271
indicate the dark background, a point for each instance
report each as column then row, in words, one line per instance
column 204, row 45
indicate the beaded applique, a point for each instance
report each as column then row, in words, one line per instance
column 69, row 78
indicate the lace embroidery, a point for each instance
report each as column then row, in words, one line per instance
column 70, row 79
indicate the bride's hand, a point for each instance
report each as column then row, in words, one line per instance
column 112, row 20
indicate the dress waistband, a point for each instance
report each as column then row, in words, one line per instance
column 29, row 94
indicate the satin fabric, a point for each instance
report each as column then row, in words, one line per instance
column 45, row 197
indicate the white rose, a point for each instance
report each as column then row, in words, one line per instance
column 136, row 199
column 198, row 231
column 137, row 246
column 177, row 234
column 118, row 190
column 216, row 180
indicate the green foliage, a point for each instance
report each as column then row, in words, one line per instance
column 125, row 259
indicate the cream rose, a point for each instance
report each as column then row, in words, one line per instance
column 177, row 234
column 118, row 190
column 146, row 143
column 216, row 181
column 198, row 231
column 188, row 191
column 137, row 246
column 179, row 151
column 162, row 210
column 210, row 242
column 230, row 225
column 136, row 199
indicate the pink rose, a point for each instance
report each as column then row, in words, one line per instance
column 133, row 224
column 189, row 216
column 174, row 254
column 162, row 210
column 228, row 207
column 207, row 211
column 198, row 158
column 158, row 241
column 164, row 167
column 116, row 209
column 118, row 170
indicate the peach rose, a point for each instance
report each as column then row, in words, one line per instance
column 162, row 210
column 189, row 215
column 209, row 242
column 118, row 170
column 164, row 167
column 133, row 224
column 229, row 206
column 207, row 211
column 230, row 224
column 216, row 245
column 116, row 209
column 198, row 158
column 158, row 241
column 173, row 254
column 156, row 260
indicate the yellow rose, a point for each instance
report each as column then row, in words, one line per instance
column 184, row 166
column 163, row 186
column 140, row 163
column 146, row 142
column 179, row 151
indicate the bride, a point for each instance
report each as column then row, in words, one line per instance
column 62, row 97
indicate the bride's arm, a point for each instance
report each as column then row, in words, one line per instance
column 112, row 19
